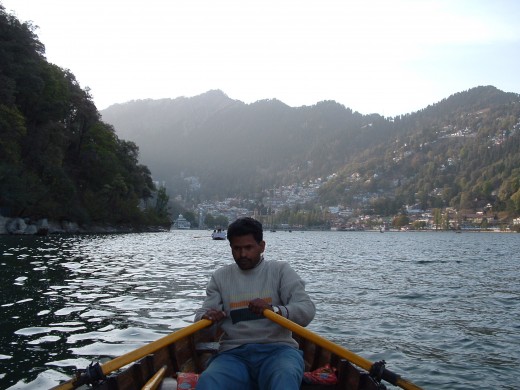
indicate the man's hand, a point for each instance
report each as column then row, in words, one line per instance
column 214, row 315
column 258, row 306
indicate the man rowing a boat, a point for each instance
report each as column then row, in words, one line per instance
column 255, row 353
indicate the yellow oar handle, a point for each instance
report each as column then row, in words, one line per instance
column 338, row 350
column 155, row 381
column 154, row 346
column 141, row 352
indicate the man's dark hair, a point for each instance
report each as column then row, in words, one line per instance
column 244, row 226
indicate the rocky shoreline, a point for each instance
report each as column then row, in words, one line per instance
column 43, row 227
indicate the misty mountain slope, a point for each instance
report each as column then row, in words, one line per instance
column 240, row 149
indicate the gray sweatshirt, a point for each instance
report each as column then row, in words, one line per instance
column 230, row 289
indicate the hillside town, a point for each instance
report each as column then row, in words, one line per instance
column 345, row 218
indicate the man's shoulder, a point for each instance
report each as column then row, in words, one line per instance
column 224, row 269
column 277, row 264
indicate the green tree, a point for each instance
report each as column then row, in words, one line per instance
column 222, row 221
column 400, row 221
column 446, row 220
column 161, row 203
column 12, row 132
column 515, row 198
column 192, row 218
column 437, row 218
column 419, row 225
column 57, row 158
column 209, row 221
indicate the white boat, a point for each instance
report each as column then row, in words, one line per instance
column 218, row 234
column 181, row 223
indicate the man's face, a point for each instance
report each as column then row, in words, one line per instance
column 246, row 251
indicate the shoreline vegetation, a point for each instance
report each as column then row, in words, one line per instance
column 43, row 227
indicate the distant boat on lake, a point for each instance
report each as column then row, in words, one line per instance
column 218, row 234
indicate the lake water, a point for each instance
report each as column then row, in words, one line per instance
column 442, row 309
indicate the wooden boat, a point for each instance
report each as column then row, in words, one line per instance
column 155, row 365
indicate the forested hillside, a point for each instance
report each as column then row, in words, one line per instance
column 463, row 151
column 58, row 160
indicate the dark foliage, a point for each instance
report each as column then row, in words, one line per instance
column 57, row 158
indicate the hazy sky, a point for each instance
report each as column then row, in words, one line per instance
column 389, row 57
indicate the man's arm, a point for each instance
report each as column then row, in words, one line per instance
column 212, row 307
column 296, row 303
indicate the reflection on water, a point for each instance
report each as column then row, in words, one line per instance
column 440, row 308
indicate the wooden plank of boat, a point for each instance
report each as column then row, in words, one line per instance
column 384, row 374
column 136, row 354
column 187, row 350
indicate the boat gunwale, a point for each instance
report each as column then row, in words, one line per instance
column 184, row 355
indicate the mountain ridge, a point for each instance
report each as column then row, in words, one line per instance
column 239, row 149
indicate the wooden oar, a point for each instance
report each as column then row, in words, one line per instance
column 338, row 350
column 138, row 353
column 155, row 381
